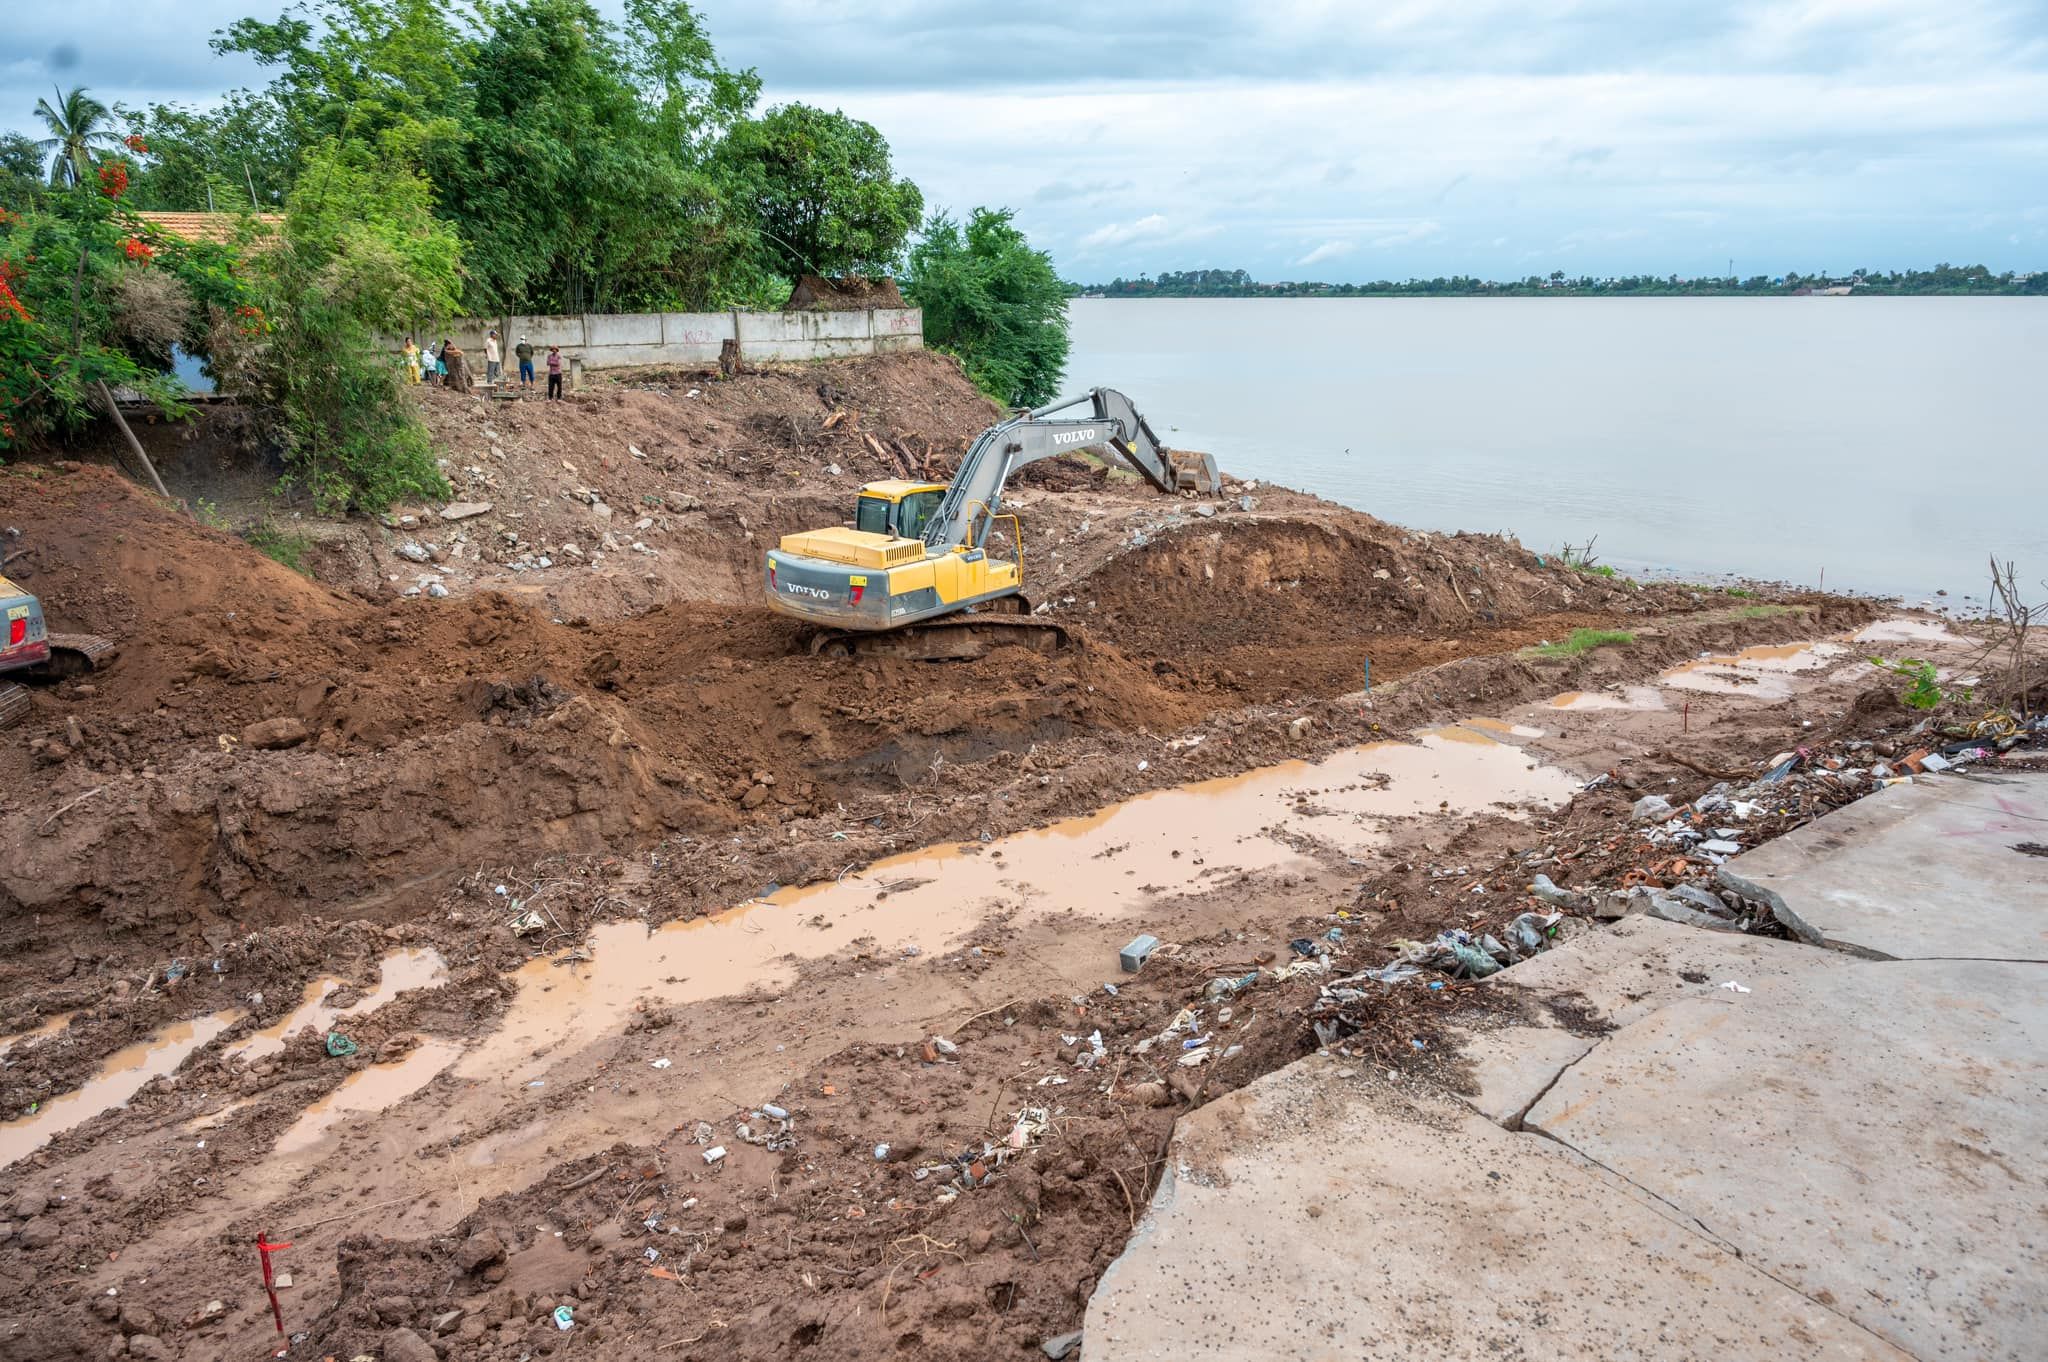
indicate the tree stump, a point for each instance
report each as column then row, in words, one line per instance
column 729, row 356
column 458, row 370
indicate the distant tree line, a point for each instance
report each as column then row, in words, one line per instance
column 1942, row 279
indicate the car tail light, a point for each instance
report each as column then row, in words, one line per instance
column 17, row 630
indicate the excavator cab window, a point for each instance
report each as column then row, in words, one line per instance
column 871, row 515
column 914, row 510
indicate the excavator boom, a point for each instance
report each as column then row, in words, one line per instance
column 1111, row 422
column 918, row 553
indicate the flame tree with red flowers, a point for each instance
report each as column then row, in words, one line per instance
column 92, row 304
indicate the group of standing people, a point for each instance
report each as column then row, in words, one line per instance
column 426, row 365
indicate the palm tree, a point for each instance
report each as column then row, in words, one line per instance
column 78, row 125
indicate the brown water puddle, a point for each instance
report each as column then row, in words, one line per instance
column 1629, row 697
column 1107, row 865
column 120, row 1078
column 1763, row 673
column 368, row 1091
column 400, row 972
column 50, row 1027
column 1906, row 631
column 1501, row 728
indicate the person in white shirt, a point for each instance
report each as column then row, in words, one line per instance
column 494, row 355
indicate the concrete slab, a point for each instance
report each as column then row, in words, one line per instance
column 1311, row 1217
column 1617, row 976
column 1920, row 871
column 1869, row 1134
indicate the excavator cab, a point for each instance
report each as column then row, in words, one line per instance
column 897, row 508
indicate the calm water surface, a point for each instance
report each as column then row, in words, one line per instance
column 1892, row 442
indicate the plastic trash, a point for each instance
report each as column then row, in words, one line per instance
column 714, row 1154
column 1473, row 961
column 881, row 1153
column 1543, row 889
column 339, row 1046
column 565, row 1317
column 1132, row 957
column 1780, row 771
column 1651, row 808
column 1531, row 933
column 770, row 1109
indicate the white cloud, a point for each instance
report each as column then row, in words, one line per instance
column 1408, row 235
column 1122, row 233
column 1329, row 250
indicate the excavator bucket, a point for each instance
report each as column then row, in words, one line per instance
column 1196, row 472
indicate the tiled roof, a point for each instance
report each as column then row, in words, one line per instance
column 219, row 227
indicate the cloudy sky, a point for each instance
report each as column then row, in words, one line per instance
column 1337, row 139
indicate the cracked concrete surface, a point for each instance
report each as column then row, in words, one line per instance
column 1843, row 1157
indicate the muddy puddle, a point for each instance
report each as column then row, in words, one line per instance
column 1108, row 865
column 1906, row 631
column 50, row 1026
column 368, row 1091
column 1763, row 673
column 401, row 972
column 1625, row 697
column 120, row 1078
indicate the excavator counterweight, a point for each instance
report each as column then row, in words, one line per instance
column 30, row 653
column 917, row 555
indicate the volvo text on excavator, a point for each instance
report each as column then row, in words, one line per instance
column 913, row 575
column 30, row 652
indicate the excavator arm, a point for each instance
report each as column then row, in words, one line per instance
column 1004, row 448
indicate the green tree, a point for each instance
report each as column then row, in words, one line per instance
column 228, row 158
column 582, row 187
column 91, row 300
column 822, row 191
column 391, row 73
column 21, row 171
column 992, row 300
column 79, row 127
column 362, row 254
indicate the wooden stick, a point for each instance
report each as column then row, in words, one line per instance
column 395, row 1201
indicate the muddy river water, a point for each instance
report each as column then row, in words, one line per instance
column 1665, row 427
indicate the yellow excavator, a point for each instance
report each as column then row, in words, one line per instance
column 28, row 650
column 913, row 575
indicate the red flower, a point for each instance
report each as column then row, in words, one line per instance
column 138, row 250
column 10, row 303
column 135, row 143
column 113, row 179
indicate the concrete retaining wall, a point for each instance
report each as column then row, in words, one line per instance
column 693, row 338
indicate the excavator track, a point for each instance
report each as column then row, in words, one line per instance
column 13, row 704
column 957, row 638
column 74, row 655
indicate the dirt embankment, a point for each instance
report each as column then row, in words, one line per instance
column 270, row 746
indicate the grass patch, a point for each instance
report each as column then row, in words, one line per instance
column 1736, row 591
column 1764, row 612
column 1584, row 641
column 282, row 546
